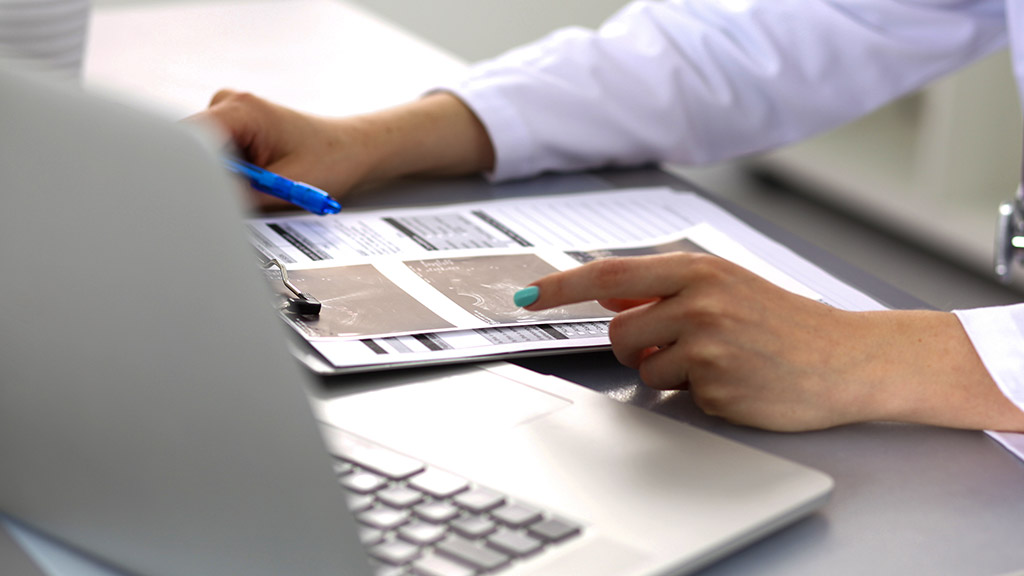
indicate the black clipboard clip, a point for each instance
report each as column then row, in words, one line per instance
column 302, row 303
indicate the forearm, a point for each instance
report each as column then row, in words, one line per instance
column 436, row 136
column 925, row 370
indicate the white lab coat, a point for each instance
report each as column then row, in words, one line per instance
column 698, row 81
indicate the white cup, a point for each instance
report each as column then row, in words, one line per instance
column 45, row 34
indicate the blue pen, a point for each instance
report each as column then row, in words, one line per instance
column 302, row 195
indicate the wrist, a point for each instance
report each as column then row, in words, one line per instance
column 926, row 371
column 435, row 135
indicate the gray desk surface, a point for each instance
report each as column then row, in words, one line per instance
column 908, row 499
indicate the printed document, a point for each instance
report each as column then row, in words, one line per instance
column 436, row 284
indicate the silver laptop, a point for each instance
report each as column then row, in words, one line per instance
column 152, row 418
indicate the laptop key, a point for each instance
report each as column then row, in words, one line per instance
column 436, row 511
column 436, row 565
column 476, row 556
column 384, row 518
column 400, row 496
column 395, row 552
column 359, row 502
column 422, row 533
column 474, row 527
column 438, row 483
column 517, row 515
column 370, row 536
column 553, row 529
column 363, row 482
column 478, row 500
column 514, row 543
column 369, row 455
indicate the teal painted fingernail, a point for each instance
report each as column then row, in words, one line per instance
column 527, row 296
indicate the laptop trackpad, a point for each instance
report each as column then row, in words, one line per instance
column 473, row 404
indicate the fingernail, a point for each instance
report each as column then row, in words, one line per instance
column 526, row 296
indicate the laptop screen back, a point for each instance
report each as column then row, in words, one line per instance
column 145, row 391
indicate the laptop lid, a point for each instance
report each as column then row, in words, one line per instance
column 132, row 325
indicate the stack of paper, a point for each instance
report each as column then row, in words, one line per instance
column 427, row 285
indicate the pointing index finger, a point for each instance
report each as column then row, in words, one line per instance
column 632, row 278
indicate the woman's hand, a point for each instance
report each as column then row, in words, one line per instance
column 756, row 354
column 327, row 153
column 436, row 135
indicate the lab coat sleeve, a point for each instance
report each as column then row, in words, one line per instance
column 698, row 81
column 998, row 336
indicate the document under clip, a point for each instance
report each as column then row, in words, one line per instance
column 302, row 303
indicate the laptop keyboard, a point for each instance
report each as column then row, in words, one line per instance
column 418, row 519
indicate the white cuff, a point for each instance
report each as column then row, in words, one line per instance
column 998, row 336
column 506, row 129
